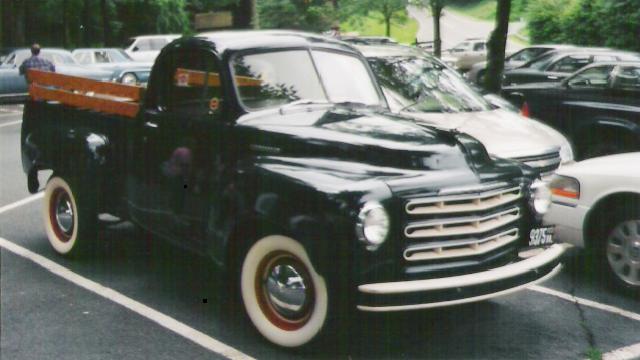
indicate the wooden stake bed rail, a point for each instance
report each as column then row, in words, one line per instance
column 106, row 97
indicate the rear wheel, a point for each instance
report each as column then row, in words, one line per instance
column 70, row 216
column 285, row 298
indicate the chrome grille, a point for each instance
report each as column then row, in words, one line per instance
column 462, row 225
column 546, row 163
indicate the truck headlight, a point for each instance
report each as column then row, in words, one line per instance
column 373, row 225
column 129, row 79
column 565, row 187
column 540, row 197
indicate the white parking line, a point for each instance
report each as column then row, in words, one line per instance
column 626, row 353
column 586, row 302
column 21, row 202
column 11, row 123
column 159, row 318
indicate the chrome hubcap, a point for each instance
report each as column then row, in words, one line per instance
column 286, row 293
column 64, row 213
column 623, row 251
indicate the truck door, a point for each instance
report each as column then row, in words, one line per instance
column 176, row 147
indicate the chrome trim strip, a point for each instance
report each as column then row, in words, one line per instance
column 472, row 188
column 504, row 272
column 551, row 274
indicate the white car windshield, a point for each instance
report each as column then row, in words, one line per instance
column 423, row 85
column 277, row 78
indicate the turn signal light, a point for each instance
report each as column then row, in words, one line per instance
column 524, row 110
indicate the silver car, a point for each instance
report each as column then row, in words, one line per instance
column 421, row 87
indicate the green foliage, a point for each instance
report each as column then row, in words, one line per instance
column 610, row 23
column 373, row 25
column 391, row 11
column 311, row 15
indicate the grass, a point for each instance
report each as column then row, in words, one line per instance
column 373, row 25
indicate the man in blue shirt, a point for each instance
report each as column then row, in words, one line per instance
column 36, row 62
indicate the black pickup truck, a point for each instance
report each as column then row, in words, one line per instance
column 273, row 153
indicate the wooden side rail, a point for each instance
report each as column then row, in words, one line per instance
column 111, row 98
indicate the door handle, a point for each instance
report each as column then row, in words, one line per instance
column 552, row 77
column 151, row 124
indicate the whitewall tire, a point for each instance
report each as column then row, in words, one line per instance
column 284, row 296
column 68, row 222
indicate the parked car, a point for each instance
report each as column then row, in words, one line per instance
column 596, row 206
column 477, row 72
column 368, row 40
column 419, row 86
column 556, row 65
column 425, row 45
column 145, row 48
column 13, row 85
column 125, row 70
column 597, row 108
column 467, row 53
column 275, row 155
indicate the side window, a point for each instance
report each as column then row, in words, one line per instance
column 479, row 47
column 628, row 78
column 569, row 64
column 101, row 57
column 461, row 47
column 143, row 45
column 595, row 77
column 158, row 44
column 83, row 57
column 602, row 58
column 11, row 60
column 192, row 83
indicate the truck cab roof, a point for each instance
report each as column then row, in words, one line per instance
column 239, row 40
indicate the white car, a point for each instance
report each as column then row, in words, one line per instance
column 596, row 205
column 422, row 88
column 467, row 53
column 147, row 47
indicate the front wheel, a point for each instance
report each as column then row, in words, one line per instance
column 623, row 252
column 70, row 216
column 285, row 298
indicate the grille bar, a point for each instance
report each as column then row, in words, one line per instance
column 463, row 203
column 461, row 226
column 454, row 249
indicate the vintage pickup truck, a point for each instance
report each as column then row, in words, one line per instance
column 274, row 154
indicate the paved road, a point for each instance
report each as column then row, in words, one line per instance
column 44, row 316
column 455, row 28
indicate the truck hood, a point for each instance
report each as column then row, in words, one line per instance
column 504, row 133
column 362, row 136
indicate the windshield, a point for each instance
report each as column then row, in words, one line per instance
column 423, row 85
column 278, row 78
column 57, row 58
column 527, row 54
column 129, row 42
column 118, row 56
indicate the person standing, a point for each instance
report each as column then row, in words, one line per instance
column 36, row 62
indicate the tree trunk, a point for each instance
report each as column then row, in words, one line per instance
column 106, row 24
column 387, row 21
column 7, row 28
column 66, row 36
column 18, row 24
column 436, row 13
column 497, row 46
column 86, row 23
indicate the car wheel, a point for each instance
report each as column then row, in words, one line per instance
column 70, row 216
column 622, row 251
column 283, row 295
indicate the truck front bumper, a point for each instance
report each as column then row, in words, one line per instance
column 431, row 293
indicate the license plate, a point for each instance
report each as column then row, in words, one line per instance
column 541, row 236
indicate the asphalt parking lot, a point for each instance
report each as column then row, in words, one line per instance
column 142, row 299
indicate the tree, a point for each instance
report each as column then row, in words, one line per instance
column 391, row 10
column 436, row 7
column 311, row 15
column 497, row 45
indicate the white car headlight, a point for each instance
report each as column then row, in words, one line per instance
column 540, row 199
column 373, row 225
column 129, row 79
